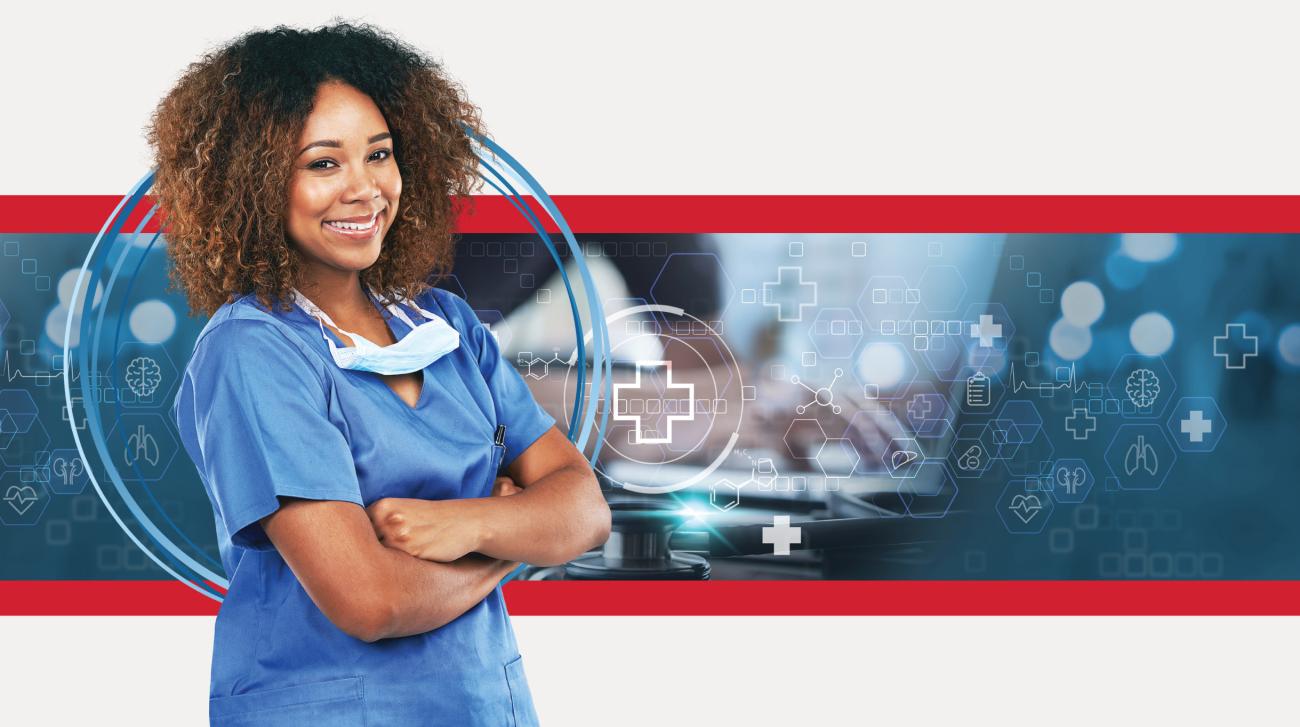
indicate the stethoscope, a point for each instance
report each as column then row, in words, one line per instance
column 649, row 540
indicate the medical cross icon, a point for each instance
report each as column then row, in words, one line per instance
column 986, row 330
column 1234, row 346
column 625, row 410
column 1196, row 426
column 1080, row 424
column 790, row 311
column 780, row 535
column 919, row 407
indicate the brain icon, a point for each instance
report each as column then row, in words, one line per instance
column 143, row 375
column 1142, row 387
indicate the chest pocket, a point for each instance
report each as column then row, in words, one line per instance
column 334, row 703
column 495, row 457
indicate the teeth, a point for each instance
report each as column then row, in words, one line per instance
column 356, row 226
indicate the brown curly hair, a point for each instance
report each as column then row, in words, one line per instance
column 224, row 141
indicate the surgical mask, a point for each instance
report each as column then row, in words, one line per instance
column 425, row 344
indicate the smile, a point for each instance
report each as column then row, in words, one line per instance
column 354, row 230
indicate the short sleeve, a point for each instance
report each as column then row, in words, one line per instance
column 524, row 418
column 254, row 415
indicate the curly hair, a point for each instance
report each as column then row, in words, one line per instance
column 224, row 140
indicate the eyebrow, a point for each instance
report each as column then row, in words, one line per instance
column 336, row 144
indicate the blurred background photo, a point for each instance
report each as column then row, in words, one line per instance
column 820, row 406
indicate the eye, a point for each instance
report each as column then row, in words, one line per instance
column 386, row 153
column 318, row 164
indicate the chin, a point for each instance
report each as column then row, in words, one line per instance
column 360, row 264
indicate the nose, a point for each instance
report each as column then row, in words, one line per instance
column 362, row 185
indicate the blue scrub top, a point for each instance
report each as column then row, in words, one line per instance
column 263, row 411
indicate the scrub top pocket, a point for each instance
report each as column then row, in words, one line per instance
column 334, row 703
column 495, row 457
column 521, row 698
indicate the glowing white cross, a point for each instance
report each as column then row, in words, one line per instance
column 639, row 432
column 986, row 331
column 1196, row 426
column 780, row 535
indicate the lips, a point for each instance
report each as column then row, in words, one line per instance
column 355, row 228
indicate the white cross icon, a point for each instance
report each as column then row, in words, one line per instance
column 1234, row 334
column 790, row 311
column 780, row 535
column 1196, row 426
column 640, row 433
column 986, row 330
column 1081, row 424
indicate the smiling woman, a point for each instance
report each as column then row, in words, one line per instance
column 304, row 111
column 345, row 187
column 375, row 467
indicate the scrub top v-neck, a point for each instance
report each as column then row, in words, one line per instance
column 264, row 412
column 398, row 328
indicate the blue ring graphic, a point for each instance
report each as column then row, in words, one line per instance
column 175, row 561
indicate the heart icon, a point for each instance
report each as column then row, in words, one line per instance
column 1025, row 507
column 20, row 498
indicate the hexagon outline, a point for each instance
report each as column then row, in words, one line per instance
column 118, row 368
column 909, row 497
column 1162, row 435
column 84, row 477
column 899, row 390
column 1029, row 426
column 127, row 472
column 725, row 284
column 785, row 438
column 857, row 457
column 1168, row 385
column 813, row 337
column 733, row 498
column 1001, row 317
column 1028, row 486
column 7, row 509
column 1071, row 464
column 22, row 417
column 931, row 270
column 906, row 469
column 1174, row 424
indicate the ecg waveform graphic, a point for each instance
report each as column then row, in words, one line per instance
column 1067, row 380
column 42, row 377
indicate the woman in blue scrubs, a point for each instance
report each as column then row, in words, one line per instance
column 374, row 465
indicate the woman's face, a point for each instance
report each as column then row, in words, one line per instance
column 345, row 185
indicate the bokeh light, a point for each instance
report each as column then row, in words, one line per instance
column 1082, row 303
column 1148, row 247
column 152, row 321
column 1069, row 341
column 1288, row 344
column 1151, row 334
column 882, row 364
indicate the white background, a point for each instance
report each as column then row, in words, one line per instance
column 673, row 671
column 699, row 97
column 712, row 98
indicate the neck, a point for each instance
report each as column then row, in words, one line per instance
column 337, row 292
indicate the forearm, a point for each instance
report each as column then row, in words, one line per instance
column 422, row 595
column 552, row 521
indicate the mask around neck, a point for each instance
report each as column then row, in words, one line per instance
column 424, row 344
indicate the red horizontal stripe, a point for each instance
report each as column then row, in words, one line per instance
column 739, row 598
column 801, row 214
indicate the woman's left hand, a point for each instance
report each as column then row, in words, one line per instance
column 437, row 530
